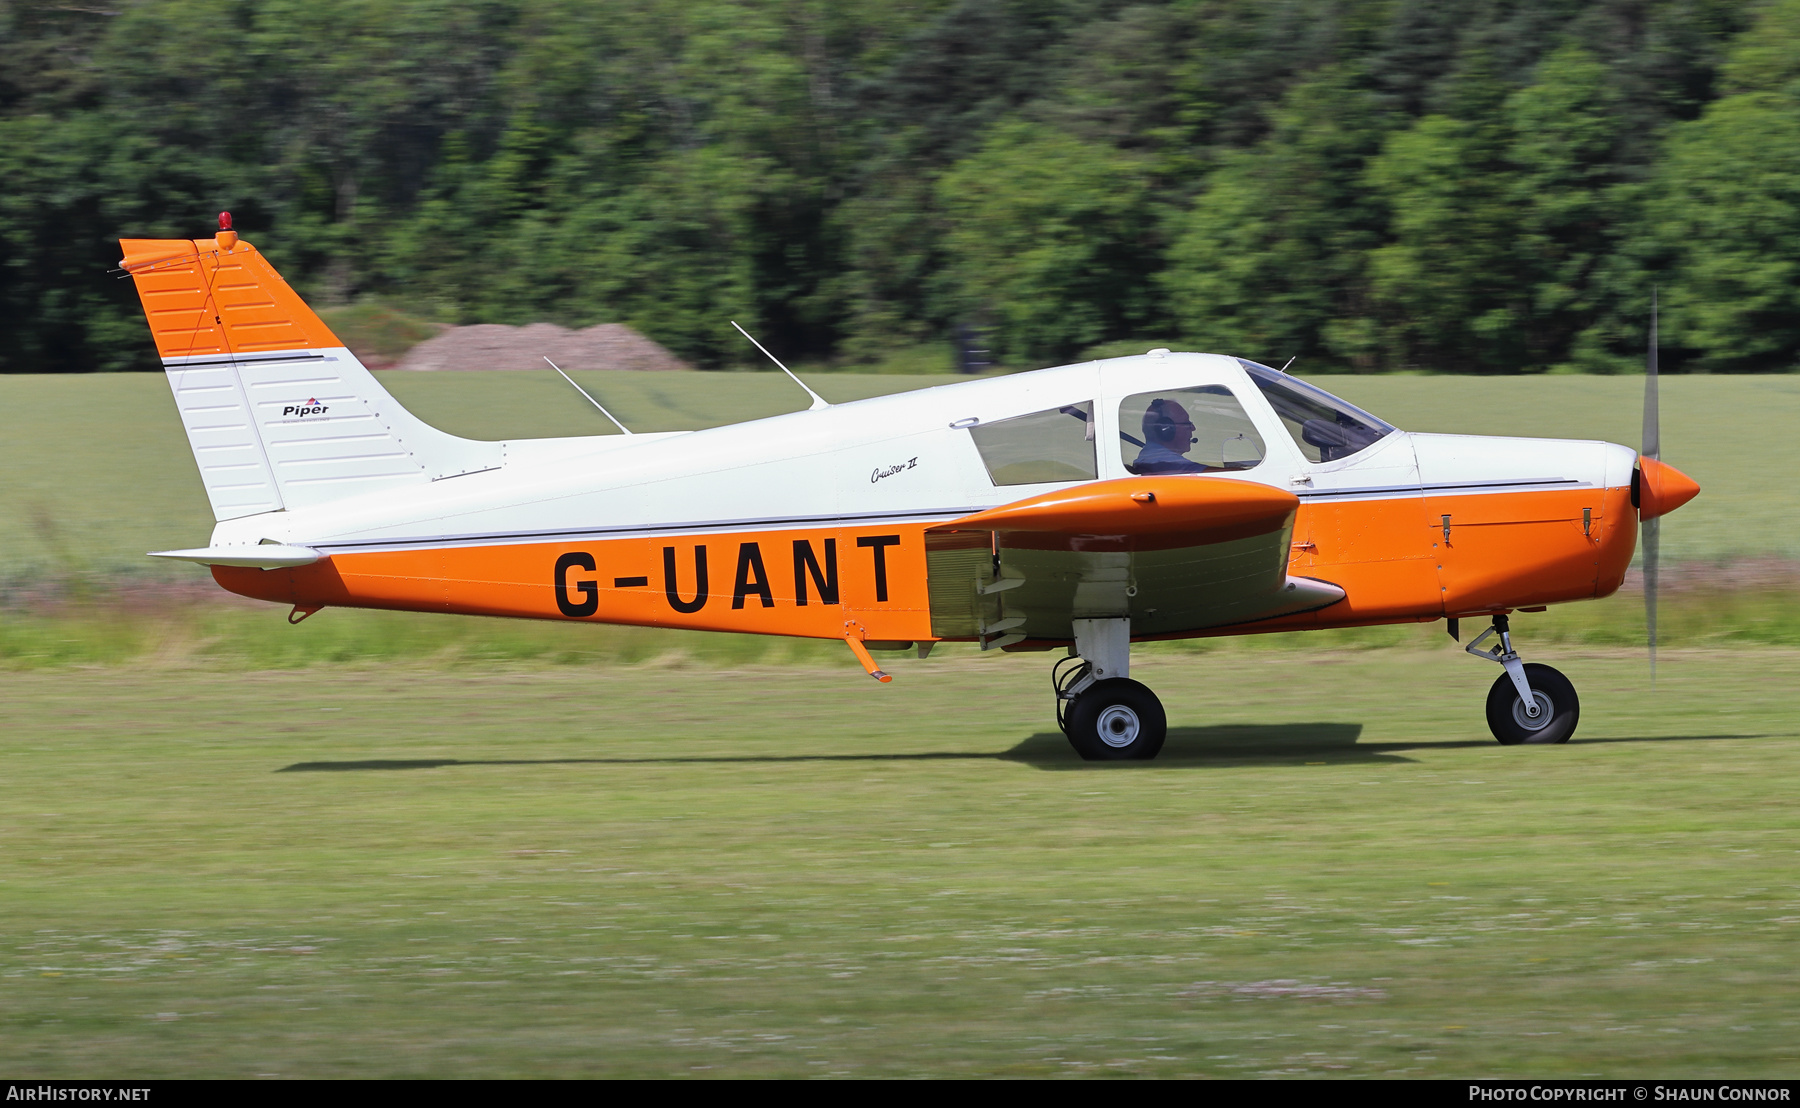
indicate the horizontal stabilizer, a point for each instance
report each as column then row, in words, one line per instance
column 266, row 556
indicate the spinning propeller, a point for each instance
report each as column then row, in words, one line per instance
column 1652, row 525
column 1657, row 490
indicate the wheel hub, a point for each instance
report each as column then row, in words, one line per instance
column 1527, row 722
column 1118, row 726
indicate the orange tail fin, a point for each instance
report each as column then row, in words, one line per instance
column 280, row 415
column 217, row 296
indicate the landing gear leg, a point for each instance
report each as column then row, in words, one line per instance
column 1106, row 715
column 1529, row 703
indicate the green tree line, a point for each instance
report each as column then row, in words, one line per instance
column 1455, row 185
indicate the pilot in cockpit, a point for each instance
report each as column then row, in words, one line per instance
column 1168, row 436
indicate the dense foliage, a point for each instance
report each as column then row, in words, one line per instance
column 1464, row 185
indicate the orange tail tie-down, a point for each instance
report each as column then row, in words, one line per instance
column 853, row 634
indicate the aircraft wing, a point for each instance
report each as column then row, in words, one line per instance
column 1174, row 553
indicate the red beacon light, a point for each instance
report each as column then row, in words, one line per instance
column 227, row 238
column 224, row 221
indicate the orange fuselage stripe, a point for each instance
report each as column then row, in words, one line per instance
column 1505, row 550
column 803, row 582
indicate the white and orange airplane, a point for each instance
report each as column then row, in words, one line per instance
column 1087, row 506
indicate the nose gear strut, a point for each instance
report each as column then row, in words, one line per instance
column 1504, row 653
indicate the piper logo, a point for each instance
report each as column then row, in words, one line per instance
column 311, row 407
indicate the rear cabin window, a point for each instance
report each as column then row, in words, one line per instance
column 1202, row 429
column 1047, row 446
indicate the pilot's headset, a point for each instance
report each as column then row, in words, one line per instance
column 1158, row 426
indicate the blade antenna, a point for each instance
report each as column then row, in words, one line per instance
column 818, row 401
column 590, row 399
column 1652, row 448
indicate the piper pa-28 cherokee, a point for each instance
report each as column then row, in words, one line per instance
column 1088, row 506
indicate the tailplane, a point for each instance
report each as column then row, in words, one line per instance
column 280, row 414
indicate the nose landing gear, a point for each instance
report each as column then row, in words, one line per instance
column 1529, row 703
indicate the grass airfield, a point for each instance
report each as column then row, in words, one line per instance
column 386, row 845
column 654, row 870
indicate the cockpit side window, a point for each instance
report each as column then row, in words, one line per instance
column 1052, row 445
column 1324, row 427
column 1202, row 429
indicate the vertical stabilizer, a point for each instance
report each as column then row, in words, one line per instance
column 280, row 415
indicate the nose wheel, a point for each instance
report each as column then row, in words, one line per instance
column 1530, row 703
column 1559, row 710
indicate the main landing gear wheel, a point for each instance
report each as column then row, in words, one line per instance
column 1559, row 709
column 1116, row 720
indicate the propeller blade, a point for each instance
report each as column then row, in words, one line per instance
column 1652, row 528
column 1652, row 539
column 1652, row 447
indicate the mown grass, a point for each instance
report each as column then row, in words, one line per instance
column 375, row 871
column 206, row 634
column 97, row 470
column 380, row 844
column 107, row 629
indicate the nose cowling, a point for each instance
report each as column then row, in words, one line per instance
column 1662, row 488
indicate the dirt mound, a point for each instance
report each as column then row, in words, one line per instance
column 495, row 346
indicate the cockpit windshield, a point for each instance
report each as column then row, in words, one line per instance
column 1324, row 427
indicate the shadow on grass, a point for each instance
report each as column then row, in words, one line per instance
column 1281, row 744
column 1273, row 743
column 698, row 759
column 1264, row 744
column 1235, row 744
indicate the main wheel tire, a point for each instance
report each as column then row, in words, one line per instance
column 1117, row 720
column 1506, row 712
